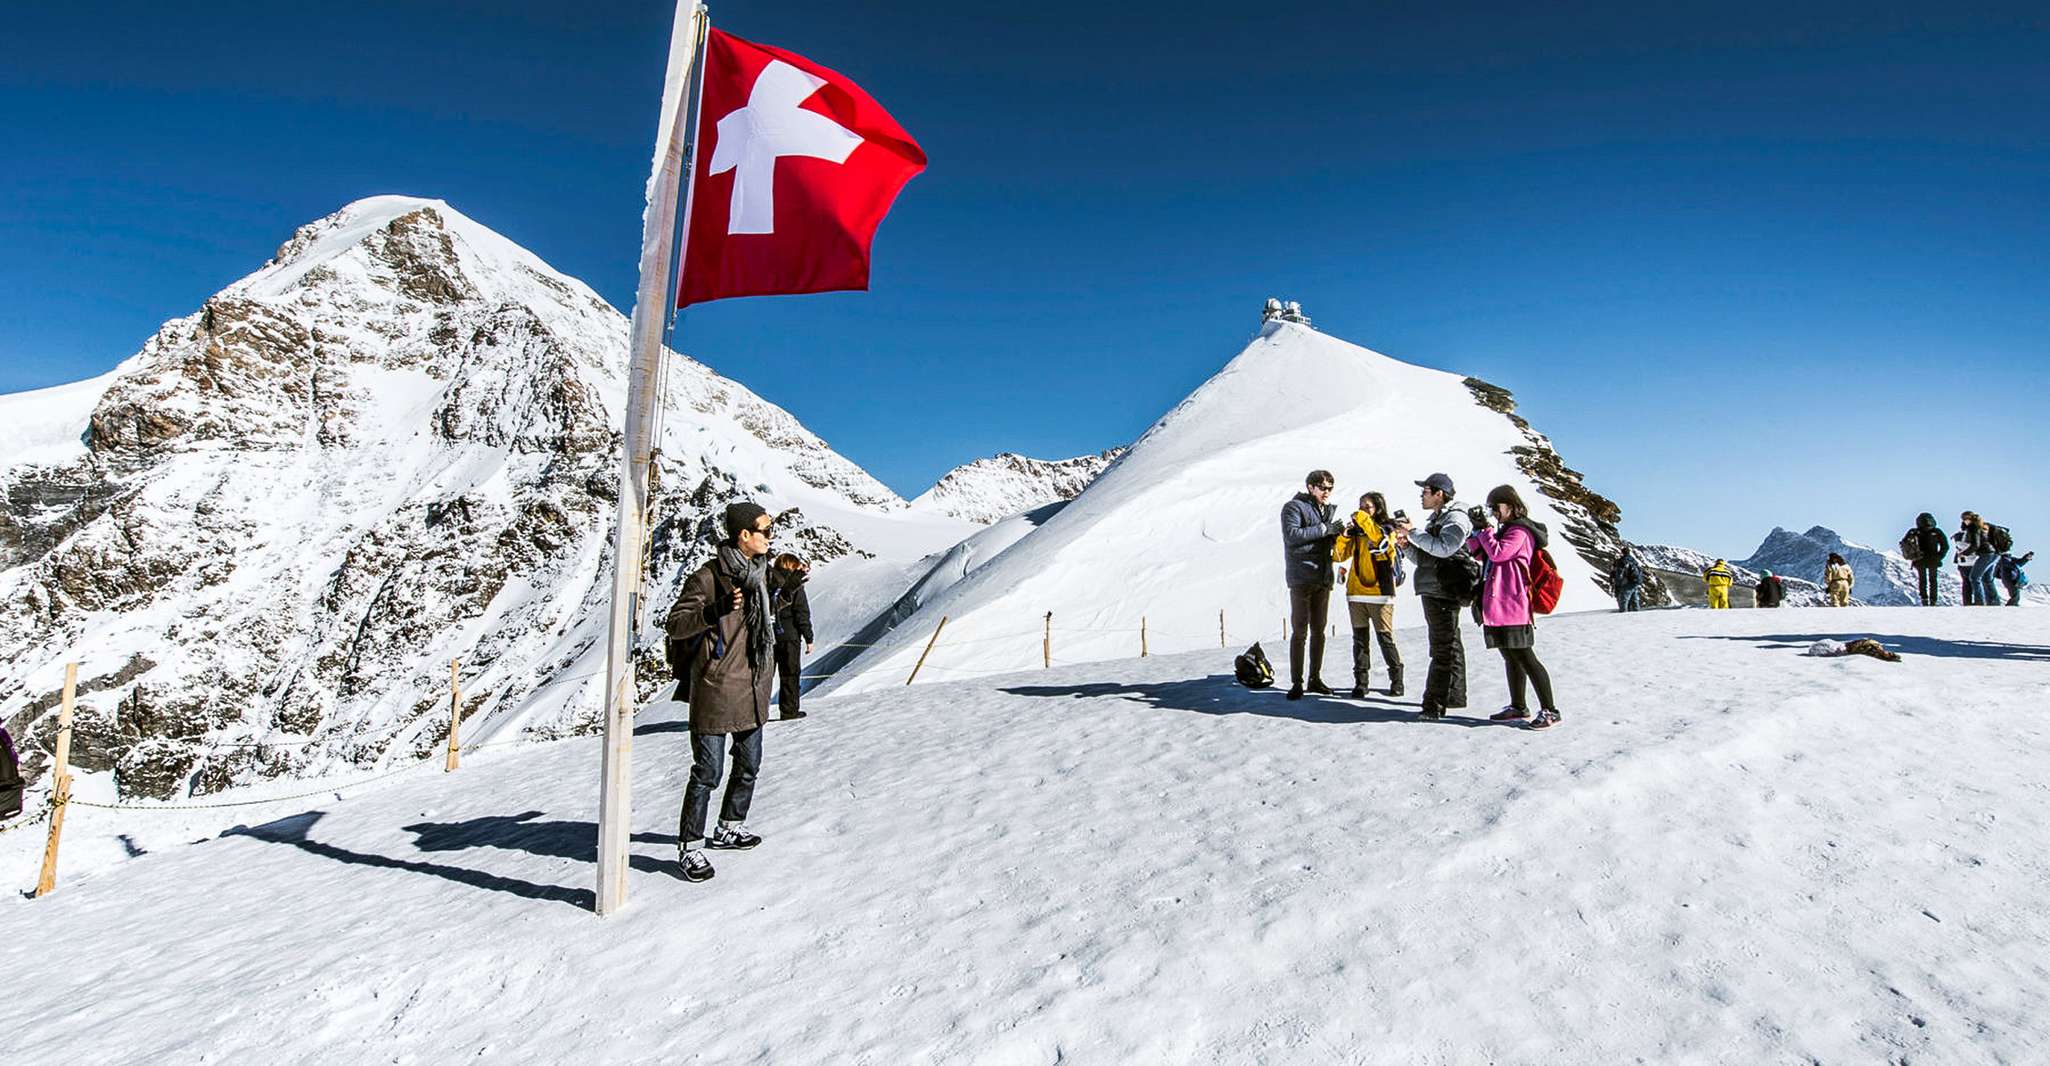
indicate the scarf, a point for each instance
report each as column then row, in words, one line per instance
column 752, row 578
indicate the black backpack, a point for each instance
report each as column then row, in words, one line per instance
column 1911, row 545
column 2003, row 541
column 1459, row 578
column 1252, row 668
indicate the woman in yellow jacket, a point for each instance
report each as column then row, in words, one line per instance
column 1839, row 580
column 1368, row 563
column 1719, row 578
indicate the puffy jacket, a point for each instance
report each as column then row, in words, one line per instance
column 1307, row 534
column 1771, row 592
column 1934, row 544
column 793, row 607
column 1438, row 539
column 1505, row 590
column 1839, row 574
column 1626, row 574
column 1369, row 560
column 1719, row 576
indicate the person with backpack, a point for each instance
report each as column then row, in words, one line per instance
column 793, row 630
column 2009, row 572
column 1508, row 621
column 1308, row 533
column 12, row 786
column 1719, row 577
column 1371, row 569
column 1447, row 578
column 1838, row 581
column 1771, row 591
column 1626, row 580
column 1925, row 546
column 722, row 630
column 1974, row 556
column 1999, row 542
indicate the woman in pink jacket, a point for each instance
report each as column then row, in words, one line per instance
column 1506, row 619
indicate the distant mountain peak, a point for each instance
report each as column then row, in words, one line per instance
column 988, row 490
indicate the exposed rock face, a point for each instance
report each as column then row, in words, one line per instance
column 1591, row 518
column 393, row 446
column 988, row 490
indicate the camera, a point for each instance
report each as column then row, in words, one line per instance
column 1401, row 516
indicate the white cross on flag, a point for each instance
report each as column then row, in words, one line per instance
column 798, row 168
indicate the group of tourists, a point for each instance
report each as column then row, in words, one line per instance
column 1982, row 551
column 1490, row 560
column 740, row 622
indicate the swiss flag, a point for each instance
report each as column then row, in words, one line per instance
column 796, row 166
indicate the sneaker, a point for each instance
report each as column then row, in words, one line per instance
column 1319, row 687
column 1509, row 714
column 1295, row 692
column 695, row 866
column 1544, row 720
column 734, row 839
column 1359, row 692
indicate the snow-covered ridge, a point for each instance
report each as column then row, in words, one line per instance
column 266, row 534
column 989, row 490
column 1884, row 578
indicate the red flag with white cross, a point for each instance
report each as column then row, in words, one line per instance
column 796, row 166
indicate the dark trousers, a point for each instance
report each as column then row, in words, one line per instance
column 2014, row 594
column 1445, row 685
column 789, row 664
column 1309, row 611
column 1927, row 585
column 1523, row 665
column 708, row 755
column 1964, row 574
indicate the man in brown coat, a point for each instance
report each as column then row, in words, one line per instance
column 722, row 627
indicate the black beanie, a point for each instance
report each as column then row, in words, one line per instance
column 741, row 516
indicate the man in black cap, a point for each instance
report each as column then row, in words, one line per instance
column 722, row 629
column 1435, row 549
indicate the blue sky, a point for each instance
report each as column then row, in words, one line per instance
column 1747, row 267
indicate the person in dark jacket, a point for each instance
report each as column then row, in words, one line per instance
column 1626, row 580
column 2009, row 572
column 1972, row 553
column 793, row 630
column 1433, row 549
column 1771, row 591
column 723, row 628
column 12, row 786
column 1930, row 546
column 1308, row 533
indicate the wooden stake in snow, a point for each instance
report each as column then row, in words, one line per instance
column 1220, row 627
column 920, row 665
column 60, row 784
column 652, row 303
column 1046, row 645
column 455, row 718
column 1142, row 636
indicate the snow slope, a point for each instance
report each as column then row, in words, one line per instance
column 988, row 490
column 1186, row 523
column 1728, row 853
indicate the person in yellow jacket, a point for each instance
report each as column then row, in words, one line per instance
column 1839, row 580
column 1719, row 578
column 1369, row 564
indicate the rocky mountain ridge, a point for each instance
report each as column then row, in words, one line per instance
column 987, row 491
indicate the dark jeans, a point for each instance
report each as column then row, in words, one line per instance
column 1964, row 574
column 1309, row 611
column 2014, row 594
column 1445, row 685
column 1927, row 585
column 708, row 754
column 1523, row 664
column 789, row 664
column 1628, row 598
column 1982, row 576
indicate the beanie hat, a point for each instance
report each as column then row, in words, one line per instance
column 741, row 516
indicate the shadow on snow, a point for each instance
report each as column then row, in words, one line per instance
column 1222, row 694
column 1937, row 646
column 517, row 832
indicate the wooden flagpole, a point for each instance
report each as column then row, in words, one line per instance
column 651, row 312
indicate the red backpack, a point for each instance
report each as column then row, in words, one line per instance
column 1545, row 583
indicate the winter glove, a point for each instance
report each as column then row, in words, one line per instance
column 1478, row 517
column 1333, row 529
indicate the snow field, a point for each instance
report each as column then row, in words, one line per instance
column 1729, row 852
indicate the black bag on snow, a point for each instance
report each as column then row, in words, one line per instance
column 2003, row 541
column 1252, row 668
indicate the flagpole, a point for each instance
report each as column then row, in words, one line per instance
column 652, row 303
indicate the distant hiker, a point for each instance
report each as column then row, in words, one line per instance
column 1371, row 568
column 1626, row 580
column 2009, row 572
column 1975, row 556
column 1445, row 581
column 1308, row 534
column 1838, row 581
column 1719, row 577
column 723, row 629
column 11, row 784
column 1506, row 615
column 1771, row 591
column 1925, row 546
column 793, row 629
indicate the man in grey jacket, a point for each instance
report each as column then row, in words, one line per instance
column 1307, row 534
column 1434, row 548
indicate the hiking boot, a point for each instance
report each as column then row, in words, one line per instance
column 732, row 839
column 695, row 866
column 1319, row 687
column 1432, row 714
column 1544, row 720
column 1359, row 692
column 1295, row 692
column 1509, row 714
column 789, row 715
column 1395, row 681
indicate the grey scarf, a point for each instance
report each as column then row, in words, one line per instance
column 753, row 579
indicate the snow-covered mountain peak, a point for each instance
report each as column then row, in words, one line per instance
column 989, row 490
